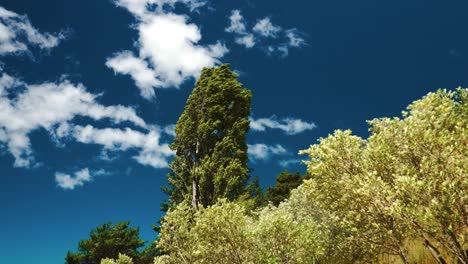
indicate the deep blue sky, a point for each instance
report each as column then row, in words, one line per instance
column 362, row 59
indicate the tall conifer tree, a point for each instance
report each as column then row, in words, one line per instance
column 211, row 152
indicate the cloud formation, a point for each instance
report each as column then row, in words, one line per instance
column 247, row 40
column 265, row 28
column 140, row 8
column 68, row 182
column 237, row 23
column 17, row 34
column 151, row 151
column 168, row 49
column 288, row 162
column 290, row 126
column 262, row 30
column 264, row 152
column 53, row 107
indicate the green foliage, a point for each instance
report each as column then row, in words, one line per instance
column 225, row 233
column 107, row 241
column 177, row 245
column 211, row 152
column 402, row 189
column 253, row 197
column 408, row 180
column 123, row 259
column 285, row 182
column 280, row 236
column 429, row 160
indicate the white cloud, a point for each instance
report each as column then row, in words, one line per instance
column 248, row 40
column 169, row 53
column 265, row 28
column 170, row 130
column 6, row 82
column 144, row 77
column 237, row 23
column 264, row 152
column 237, row 26
column 49, row 106
column 17, row 34
column 68, row 182
column 151, row 151
column 288, row 162
column 294, row 39
column 290, row 126
column 282, row 50
column 140, row 7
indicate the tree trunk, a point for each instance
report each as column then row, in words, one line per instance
column 402, row 254
column 434, row 252
column 195, row 193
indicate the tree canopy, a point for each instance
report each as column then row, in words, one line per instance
column 285, row 183
column 107, row 241
column 211, row 152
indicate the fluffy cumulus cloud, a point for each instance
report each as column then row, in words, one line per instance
column 54, row 106
column 290, row 126
column 168, row 50
column 265, row 28
column 17, row 34
column 68, row 182
column 265, row 152
column 126, row 63
column 262, row 30
column 150, row 151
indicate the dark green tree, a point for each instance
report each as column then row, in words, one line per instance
column 285, row 183
column 107, row 241
column 211, row 152
column 253, row 196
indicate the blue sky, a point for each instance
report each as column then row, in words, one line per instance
column 89, row 91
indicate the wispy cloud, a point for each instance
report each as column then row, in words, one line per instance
column 236, row 23
column 68, row 182
column 295, row 40
column 290, row 126
column 263, row 29
column 247, row 40
column 79, row 178
column 168, row 49
column 288, row 162
column 17, row 34
column 265, row 152
column 140, row 8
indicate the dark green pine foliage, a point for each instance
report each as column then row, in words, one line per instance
column 211, row 152
column 285, row 183
column 253, row 196
column 107, row 241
